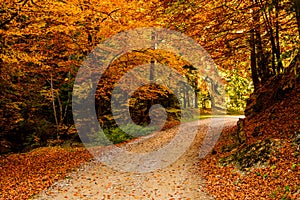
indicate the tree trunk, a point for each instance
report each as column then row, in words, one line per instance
column 54, row 107
column 188, row 98
column 184, row 98
column 212, row 99
column 297, row 10
column 254, row 73
column 196, row 99
column 152, row 64
column 278, row 52
column 261, row 63
column 274, row 50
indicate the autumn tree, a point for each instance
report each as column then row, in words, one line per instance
column 42, row 46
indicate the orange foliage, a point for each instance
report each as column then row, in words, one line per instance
column 23, row 175
column 281, row 178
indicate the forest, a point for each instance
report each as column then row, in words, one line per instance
column 249, row 66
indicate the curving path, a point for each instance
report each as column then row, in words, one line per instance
column 179, row 180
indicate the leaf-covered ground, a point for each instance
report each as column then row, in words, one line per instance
column 176, row 181
column 279, row 177
column 23, row 175
column 277, row 180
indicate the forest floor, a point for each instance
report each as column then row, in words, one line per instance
column 23, row 175
column 72, row 173
column 179, row 180
column 267, row 165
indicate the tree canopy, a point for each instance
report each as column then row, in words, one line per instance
column 43, row 44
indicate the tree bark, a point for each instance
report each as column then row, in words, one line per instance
column 152, row 64
column 297, row 10
column 54, row 107
column 278, row 52
column 254, row 73
column 184, row 98
column 188, row 98
column 196, row 100
column 261, row 62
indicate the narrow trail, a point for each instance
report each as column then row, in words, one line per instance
column 180, row 180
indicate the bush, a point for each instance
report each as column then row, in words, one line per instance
column 127, row 132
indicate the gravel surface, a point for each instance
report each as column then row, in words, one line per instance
column 178, row 180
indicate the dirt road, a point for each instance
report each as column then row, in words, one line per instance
column 179, row 180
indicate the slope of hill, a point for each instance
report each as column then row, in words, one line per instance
column 259, row 158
